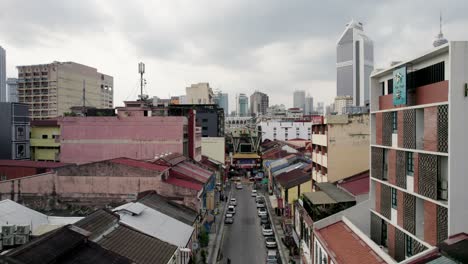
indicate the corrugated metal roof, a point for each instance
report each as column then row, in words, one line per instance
column 171, row 208
column 289, row 168
column 33, row 164
column 356, row 185
column 319, row 197
column 184, row 183
column 157, row 224
column 98, row 222
column 293, row 178
column 140, row 248
column 139, row 164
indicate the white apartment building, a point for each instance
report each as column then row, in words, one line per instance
column 342, row 102
column 200, row 93
column 277, row 130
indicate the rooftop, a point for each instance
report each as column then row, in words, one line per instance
column 345, row 246
column 139, row 164
column 184, row 183
column 32, row 164
column 98, row 222
column 293, row 178
column 138, row 247
column 169, row 207
column 357, row 184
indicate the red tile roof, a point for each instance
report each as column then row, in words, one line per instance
column 139, row 164
column 188, row 170
column 357, row 184
column 184, row 183
column 293, row 178
column 32, row 164
column 345, row 246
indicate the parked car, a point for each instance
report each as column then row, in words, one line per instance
column 231, row 209
column 272, row 257
column 239, row 186
column 229, row 219
column 254, row 193
column 259, row 198
column 261, row 204
column 262, row 211
column 267, row 230
column 233, row 202
column 264, row 220
column 270, row 242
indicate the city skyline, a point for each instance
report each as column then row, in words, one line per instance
column 307, row 54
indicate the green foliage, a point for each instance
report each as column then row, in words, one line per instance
column 204, row 237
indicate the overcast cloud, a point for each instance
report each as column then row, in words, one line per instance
column 237, row 46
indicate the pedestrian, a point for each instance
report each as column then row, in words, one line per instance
column 228, row 261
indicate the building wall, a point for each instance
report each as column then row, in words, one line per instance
column 8, row 173
column 214, row 147
column 45, row 149
column 300, row 130
column 14, row 133
column 51, row 89
column 3, row 92
column 199, row 93
column 12, row 89
column 101, row 138
column 348, row 147
column 293, row 193
column 299, row 99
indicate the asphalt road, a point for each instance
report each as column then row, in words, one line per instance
column 243, row 240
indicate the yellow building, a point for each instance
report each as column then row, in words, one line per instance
column 292, row 183
column 45, row 144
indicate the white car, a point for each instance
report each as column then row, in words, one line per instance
column 233, row 201
column 229, row 219
column 254, row 193
column 239, row 186
column 270, row 242
column 267, row 230
column 231, row 209
column 262, row 211
column 260, row 204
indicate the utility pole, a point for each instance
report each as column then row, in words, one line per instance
column 83, row 111
column 141, row 70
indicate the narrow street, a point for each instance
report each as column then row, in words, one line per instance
column 243, row 240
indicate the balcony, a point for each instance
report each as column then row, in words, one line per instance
column 427, row 94
column 319, row 139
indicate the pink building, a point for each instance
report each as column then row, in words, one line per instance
column 90, row 139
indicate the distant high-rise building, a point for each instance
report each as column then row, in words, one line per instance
column 200, row 93
column 52, row 89
column 309, row 105
column 222, row 100
column 12, row 90
column 320, row 108
column 258, row 103
column 299, row 99
column 14, row 132
column 354, row 64
column 3, row 93
column 341, row 102
column 242, row 105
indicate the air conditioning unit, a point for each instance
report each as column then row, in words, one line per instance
column 21, row 239
column 8, row 240
column 8, row 230
column 22, row 230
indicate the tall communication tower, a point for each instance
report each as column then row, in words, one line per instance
column 141, row 70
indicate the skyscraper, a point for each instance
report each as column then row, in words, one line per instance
column 3, row 93
column 242, row 105
column 222, row 100
column 354, row 64
column 299, row 99
column 12, row 89
column 309, row 105
column 258, row 103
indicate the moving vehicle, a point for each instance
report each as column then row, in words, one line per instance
column 254, row 193
column 267, row 230
column 270, row 242
column 262, row 211
column 229, row 219
column 233, row 202
column 239, row 186
column 231, row 209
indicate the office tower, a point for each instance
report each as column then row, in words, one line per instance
column 3, row 92
column 14, row 132
column 242, row 105
column 258, row 103
column 320, row 108
column 418, row 151
column 12, row 90
column 341, row 103
column 354, row 63
column 222, row 100
column 299, row 99
column 309, row 105
column 52, row 89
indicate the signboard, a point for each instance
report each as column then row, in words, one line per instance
column 399, row 86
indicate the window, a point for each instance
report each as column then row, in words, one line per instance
column 384, row 234
column 44, row 136
column 3, row 178
column 395, row 122
column 382, row 86
column 409, row 246
column 409, row 164
column 394, row 198
column 390, row 86
column 204, row 128
column 385, row 166
column 204, row 120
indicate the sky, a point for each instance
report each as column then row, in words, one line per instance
column 238, row 46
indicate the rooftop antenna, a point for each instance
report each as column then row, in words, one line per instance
column 440, row 40
column 141, row 71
